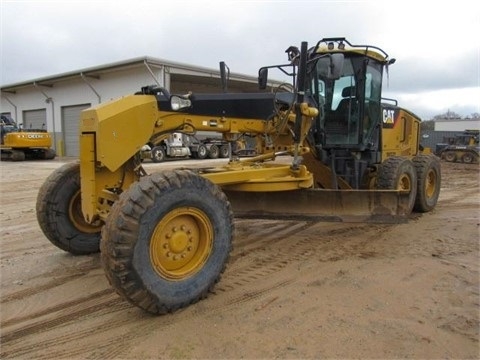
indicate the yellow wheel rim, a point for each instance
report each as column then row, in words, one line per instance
column 181, row 243
column 430, row 184
column 404, row 183
column 76, row 216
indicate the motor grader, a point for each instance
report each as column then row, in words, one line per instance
column 165, row 237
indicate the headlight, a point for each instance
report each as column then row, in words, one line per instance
column 178, row 102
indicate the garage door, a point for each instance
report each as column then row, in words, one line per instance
column 70, row 126
column 35, row 119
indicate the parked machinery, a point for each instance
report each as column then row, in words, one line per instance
column 166, row 236
column 462, row 148
column 181, row 146
column 19, row 144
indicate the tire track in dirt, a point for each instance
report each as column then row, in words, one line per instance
column 95, row 305
column 69, row 274
column 102, row 302
column 66, row 305
column 21, row 252
column 465, row 193
column 37, row 289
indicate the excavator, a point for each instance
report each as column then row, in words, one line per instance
column 329, row 148
column 18, row 144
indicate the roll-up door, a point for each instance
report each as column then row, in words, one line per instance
column 70, row 126
column 35, row 119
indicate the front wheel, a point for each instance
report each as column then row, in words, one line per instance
column 158, row 154
column 167, row 240
column 398, row 173
column 429, row 182
column 450, row 156
column 59, row 213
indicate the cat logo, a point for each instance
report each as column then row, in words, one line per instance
column 388, row 116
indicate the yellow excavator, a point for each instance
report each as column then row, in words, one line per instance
column 165, row 237
column 19, row 144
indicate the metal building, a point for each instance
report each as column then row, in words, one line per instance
column 55, row 102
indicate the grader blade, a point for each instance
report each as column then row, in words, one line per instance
column 379, row 206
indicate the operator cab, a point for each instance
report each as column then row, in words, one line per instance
column 347, row 132
column 348, row 105
column 344, row 82
column 7, row 125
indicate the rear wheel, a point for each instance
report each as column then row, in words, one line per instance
column 214, row 152
column 429, row 182
column 398, row 173
column 468, row 158
column 167, row 240
column 224, row 151
column 450, row 156
column 59, row 213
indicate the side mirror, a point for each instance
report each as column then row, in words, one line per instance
column 336, row 66
column 223, row 75
column 262, row 78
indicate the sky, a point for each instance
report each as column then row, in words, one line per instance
column 436, row 44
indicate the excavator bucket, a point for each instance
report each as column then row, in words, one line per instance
column 379, row 206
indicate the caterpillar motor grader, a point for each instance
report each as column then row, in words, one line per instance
column 165, row 237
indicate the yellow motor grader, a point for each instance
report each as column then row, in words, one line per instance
column 165, row 237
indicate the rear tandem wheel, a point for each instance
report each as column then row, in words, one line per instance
column 59, row 213
column 167, row 240
column 429, row 182
column 398, row 173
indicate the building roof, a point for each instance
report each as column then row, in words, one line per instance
column 97, row 71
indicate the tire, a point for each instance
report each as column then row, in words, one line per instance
column 398, row 173
column 224, row 151
column 428, row 182
column 60, row 216
column 450, row 156
column 468, row 158
column 214, row 152
column 158, row 154
column 145, row 252
column 202, row 152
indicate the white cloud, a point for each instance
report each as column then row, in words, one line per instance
column 435, row 45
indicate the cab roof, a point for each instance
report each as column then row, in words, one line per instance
column 341, row 45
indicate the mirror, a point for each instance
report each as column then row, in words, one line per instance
column 336, row 66
column 262, row 78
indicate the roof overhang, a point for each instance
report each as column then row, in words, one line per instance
column 97, row 71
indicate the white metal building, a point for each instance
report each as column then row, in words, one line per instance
column 55, row 102
column 457, row 124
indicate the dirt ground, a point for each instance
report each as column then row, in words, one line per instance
column 291, row 289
